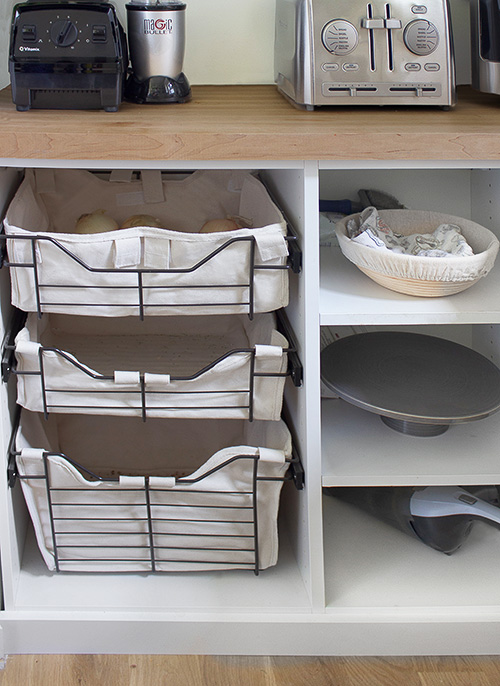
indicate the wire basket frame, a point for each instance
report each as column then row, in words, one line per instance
column 140, row 292
column 213, row 534
column 244, row 396
column 143, row 400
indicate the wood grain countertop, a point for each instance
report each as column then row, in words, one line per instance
column 254, row 123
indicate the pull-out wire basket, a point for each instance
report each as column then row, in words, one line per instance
column 221, row 517
column 140, row 291
column 147, row 270
column 86, row 377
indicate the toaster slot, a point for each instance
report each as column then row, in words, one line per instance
column 390, row 46
column 371, row 42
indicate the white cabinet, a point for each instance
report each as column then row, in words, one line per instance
column 369, row 566
column 31, row 591
column 344, row 583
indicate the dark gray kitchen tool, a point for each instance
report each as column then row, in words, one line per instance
column 439, row 516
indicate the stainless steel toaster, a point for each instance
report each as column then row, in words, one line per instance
column 343, row 52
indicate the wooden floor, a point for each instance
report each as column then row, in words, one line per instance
column 140, row 670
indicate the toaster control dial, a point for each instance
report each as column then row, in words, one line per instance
column 339, row 37
column 63, row 33
column 421, row 37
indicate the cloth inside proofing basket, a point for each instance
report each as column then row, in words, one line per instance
column 482, row 241
column 370, row 230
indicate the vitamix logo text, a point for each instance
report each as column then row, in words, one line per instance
column 158, row 26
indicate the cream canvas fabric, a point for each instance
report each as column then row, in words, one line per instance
column 99, row 364
column 75, row 271
column 103, row 525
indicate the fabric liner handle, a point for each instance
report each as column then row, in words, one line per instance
column 32, row 453
column 152, row 186
column 162, row 482
column 132, row 481
column 269, row 351
column 156, row 252
column 121, row 176
column 271, row 246
column 127, row 252
column 127, row 378
column 45, row 181
column 27, row 347
column 156, row 379
column 272, row 455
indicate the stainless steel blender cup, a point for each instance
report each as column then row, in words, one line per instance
column 156, row 36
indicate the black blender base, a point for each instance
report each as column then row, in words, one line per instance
column 157, row 89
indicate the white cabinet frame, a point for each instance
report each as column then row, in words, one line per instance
column 317, row 600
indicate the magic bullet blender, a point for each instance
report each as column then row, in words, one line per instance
column 156, row 36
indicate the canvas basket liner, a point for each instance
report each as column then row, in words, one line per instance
column 156, row 349
column 455, row 269
column 208, row 522
column 50, row 201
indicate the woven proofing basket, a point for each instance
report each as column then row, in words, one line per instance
column 422, row 276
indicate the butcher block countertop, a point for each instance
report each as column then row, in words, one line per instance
column 254, row 123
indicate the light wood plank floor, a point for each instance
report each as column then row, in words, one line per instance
column 140, row 670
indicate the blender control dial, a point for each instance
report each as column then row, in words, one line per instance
column 63, row 33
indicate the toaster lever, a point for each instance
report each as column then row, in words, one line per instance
column 368, row 23
column 392, row 23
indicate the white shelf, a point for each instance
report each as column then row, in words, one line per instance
column 278, row 588
column 349, row 297
column 369, row 564
column 358, row 449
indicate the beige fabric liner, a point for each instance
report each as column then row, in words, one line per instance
column 188, row 203
column 167, row 347
column 111, row 446
column 163, row 352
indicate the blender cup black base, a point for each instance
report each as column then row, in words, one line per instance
column 157, row 90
